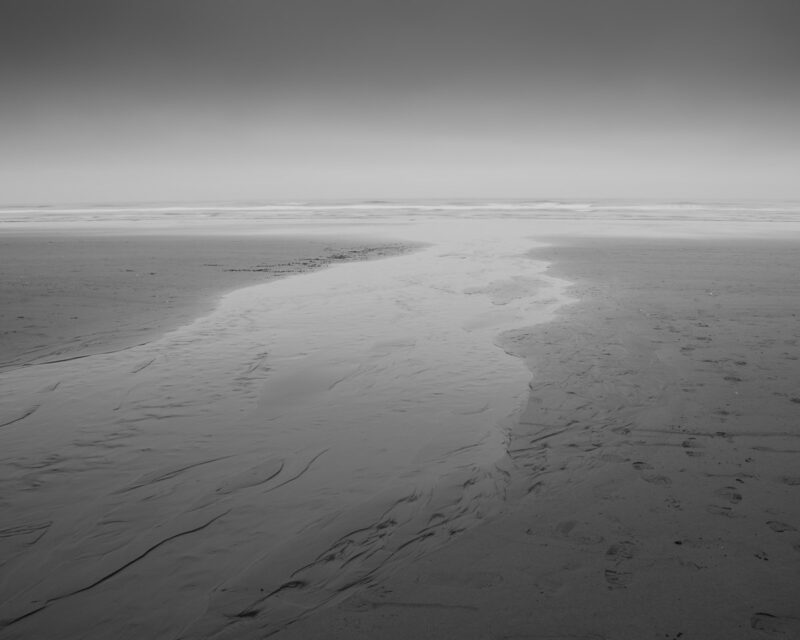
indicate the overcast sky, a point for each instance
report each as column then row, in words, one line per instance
column 119, row 100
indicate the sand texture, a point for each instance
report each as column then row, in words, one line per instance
column 299, row 441
column 78, row 293
column 454, row 442
column 656, row 478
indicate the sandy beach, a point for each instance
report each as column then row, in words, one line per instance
column 545, row 428
column 81, row 292
column 349, row 320
column 170, row 488
column 655, row 466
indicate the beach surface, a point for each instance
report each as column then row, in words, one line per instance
column 84, row 291
column 531, row 426
column 656, row 486
column 237, row 472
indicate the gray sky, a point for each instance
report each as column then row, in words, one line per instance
column 115, row 100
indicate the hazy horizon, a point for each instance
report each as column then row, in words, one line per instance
column 202, row 101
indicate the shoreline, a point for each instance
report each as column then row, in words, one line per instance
column 656, row 487
column 73, row 295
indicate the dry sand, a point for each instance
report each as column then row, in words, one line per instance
column 78, row 293
column 656, row 465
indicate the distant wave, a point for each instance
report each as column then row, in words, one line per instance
column 376, row 209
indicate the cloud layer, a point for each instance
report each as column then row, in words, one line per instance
column 150, row 100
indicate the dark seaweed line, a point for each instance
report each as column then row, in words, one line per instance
column 255, row 608
column 28, row 413
column 301, row 472
column 250, row 612
column 223, row 490
column 24, row 529
column 142, row 367
column 108, row 576
column 169, row 475
column 79, row 357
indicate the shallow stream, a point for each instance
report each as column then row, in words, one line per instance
column 250, row 466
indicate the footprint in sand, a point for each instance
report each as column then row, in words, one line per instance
column 619, row 552
column 652, row 478
column 780, row 527
column 691, row 447
column 617, row 579
column 787, row 626
column 730, row 494
column 565, row 530
column 662, row 481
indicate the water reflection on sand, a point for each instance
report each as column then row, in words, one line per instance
column 265, row 458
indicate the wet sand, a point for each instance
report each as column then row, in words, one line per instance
column 337, row 439
column 84, row 292
column 307, row 435
column 656, row 490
